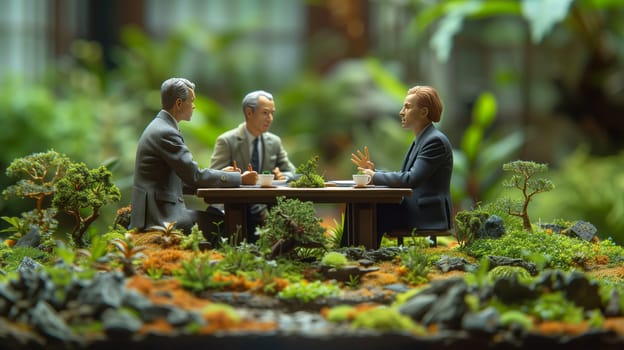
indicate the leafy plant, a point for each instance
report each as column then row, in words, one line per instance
column 81, row 193
column 197, row 274
column 309, row 176
column 416, row 262
column 476, row 162
column 193, row 239
column 354, row 281
column 290, row 225
column 467, row 225
column 127, row 254
column 523, row 179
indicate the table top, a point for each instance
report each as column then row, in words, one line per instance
column 334, row 194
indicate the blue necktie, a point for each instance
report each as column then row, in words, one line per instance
column 255, row 158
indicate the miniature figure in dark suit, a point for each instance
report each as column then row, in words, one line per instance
column 252, row 144
column 165, row 169
column 426, row 169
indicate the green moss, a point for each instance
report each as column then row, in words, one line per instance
column 309, row 291
column 334, row 259
column 551, row 250
column 516, row 317
column 225, row 309
column 339, row 313
column 508, row 272
column 383, row 319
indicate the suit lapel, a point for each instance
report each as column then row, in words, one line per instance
column 411, row 156
column 242, row 147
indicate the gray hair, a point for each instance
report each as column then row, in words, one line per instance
column 251, row 99
column 174, row 88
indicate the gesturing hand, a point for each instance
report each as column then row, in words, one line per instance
column 362, row 160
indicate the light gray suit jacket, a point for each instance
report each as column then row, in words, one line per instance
column 164, row 165
column 233, row 146
column 427, row 170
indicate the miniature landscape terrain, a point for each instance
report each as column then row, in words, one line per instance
column 499, row 282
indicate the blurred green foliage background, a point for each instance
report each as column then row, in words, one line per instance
column 94, row 111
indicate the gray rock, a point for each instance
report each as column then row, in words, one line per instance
column 120, row 322
column 495, row 261
column 484, row 321
column 105, row 291
column 582, row 291
column 449, row 263
column 418, row 306
column 45, row 319
column 583, row 230
column 449, row 308
column 31, row 239
column 493, row 227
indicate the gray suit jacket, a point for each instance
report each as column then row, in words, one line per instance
column 233, row 146
column 427, row 169
column 163, row 166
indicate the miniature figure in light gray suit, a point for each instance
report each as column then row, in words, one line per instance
column 251, row 143
column 165, row 169
column 426, row 169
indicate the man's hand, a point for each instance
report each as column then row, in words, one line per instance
column 278, row 174
column 249, row 177
column 362, row 160
column 233, row 167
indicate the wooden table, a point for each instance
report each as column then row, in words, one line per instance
column 361, row 226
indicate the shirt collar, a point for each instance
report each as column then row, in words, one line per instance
column 250, row 137
column 172, row 118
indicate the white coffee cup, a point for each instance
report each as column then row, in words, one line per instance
column 265, row 180
column 361, row 180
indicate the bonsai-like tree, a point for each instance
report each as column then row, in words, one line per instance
column 523, row 179
column 309, row 174
column 81, row 193
column 291, row 224
column 39, row 174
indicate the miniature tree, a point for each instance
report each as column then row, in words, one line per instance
column 39, row 174
column 291, row 224
column 523, row 179
column 309, row 174
column 81, row 193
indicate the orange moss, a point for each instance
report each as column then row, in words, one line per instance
column 556, row 328
column 615, row 324
column 158, row 326
column 166, row 291
column 167, row 260
column 236, row 282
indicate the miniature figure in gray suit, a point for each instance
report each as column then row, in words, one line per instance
column 165, row 169
column 252, row 144
column 426, row 169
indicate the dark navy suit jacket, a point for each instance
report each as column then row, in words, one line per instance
column 427, row 169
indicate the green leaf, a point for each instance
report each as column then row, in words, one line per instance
column 485, row 109
column 543, row 15
column 385, row 79
column 471, row 142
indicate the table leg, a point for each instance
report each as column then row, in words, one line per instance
column 235, row 220
column 364, row 228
